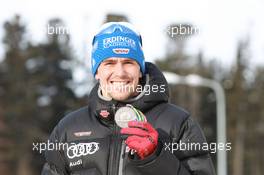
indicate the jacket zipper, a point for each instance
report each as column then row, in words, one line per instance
column 116, row 152
column 121, row 159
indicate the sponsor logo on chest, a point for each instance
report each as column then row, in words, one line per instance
column 78, row 162
column 82, row 149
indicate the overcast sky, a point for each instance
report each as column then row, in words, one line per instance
column 221, row 23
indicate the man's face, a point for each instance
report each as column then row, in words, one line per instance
column 118, row 78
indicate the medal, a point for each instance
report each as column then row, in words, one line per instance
column 128, row 113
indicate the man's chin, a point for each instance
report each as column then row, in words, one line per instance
column 120, row 96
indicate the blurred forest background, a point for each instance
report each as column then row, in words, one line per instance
column 37, row 89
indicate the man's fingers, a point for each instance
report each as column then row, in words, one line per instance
column 134, row 131
column 133, row 139
column 140, row 144
column 142, row 125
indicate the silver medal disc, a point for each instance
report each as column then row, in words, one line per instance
column 123, row 115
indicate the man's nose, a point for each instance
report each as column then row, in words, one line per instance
column 120, row 69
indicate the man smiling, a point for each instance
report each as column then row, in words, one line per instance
column 141, row 147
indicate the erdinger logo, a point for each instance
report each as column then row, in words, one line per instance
column 120, row 41
column 121, row 51
column 82, row 149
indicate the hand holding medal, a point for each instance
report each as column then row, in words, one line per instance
column 142, row 137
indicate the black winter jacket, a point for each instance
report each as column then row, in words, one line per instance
column 92, row 144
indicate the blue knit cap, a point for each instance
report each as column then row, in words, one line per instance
column 117, row 39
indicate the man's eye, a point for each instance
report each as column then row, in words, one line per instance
column 108, row 63
column 128, row 62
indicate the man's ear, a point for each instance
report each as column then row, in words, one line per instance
column 96, row 76
column 140, row 75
